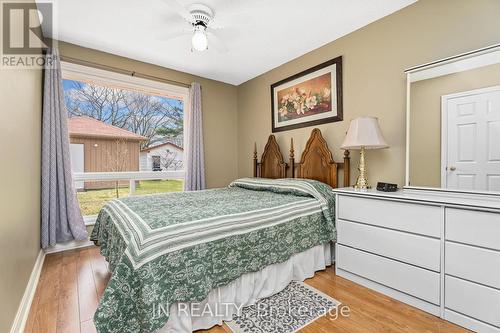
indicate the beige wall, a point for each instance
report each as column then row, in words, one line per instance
column 374, row 59
column 219, row 110
column 20, row 149
column 425, row 119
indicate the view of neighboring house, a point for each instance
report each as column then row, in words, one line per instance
column 99, row 147
column 162, row 157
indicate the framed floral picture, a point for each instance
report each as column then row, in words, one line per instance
column 309, row 98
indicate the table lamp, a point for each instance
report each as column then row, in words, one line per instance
column 364, row 133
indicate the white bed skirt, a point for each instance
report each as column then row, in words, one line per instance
column 223, row 302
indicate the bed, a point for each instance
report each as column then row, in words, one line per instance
column 233, row 245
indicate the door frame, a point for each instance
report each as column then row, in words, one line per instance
column 444, row 125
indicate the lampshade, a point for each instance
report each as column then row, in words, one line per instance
column 364, row 132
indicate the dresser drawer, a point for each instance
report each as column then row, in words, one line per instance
column 473, row 227
column 474, row 300
column 468, row 322
column 419, row 219
column 417, row 250
column 409, row 279
column 473, row 263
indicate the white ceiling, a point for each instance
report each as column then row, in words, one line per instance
column 259, row 34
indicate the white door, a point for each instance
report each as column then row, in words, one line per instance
column 77, row 161
column 471, row 140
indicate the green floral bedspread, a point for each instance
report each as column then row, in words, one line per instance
column 176, row 247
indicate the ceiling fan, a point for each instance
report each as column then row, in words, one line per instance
column 202, row 28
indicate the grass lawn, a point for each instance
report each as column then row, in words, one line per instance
column 91, row 201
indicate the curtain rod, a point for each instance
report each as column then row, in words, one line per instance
column 121, row 71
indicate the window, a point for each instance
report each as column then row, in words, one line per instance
column 156, row 163
column 126, row 135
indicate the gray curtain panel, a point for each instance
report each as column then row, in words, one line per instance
column 195, row 162
column 62, row 220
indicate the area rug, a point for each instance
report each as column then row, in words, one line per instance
column 285, row 312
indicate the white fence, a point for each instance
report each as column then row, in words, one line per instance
column 131, row 176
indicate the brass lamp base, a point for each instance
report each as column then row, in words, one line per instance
column 362, row 181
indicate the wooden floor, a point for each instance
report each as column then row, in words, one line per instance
column 72, row 282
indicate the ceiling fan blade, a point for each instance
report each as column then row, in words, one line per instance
column 236, row 7
column 216, row 24
column 224, row 21
column 174, row 34
column 216, row 42
column 225, row 34
column 180, row 9
column 231, row 12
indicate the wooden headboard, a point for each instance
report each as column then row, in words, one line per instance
column 317, row 162
column 271, row 163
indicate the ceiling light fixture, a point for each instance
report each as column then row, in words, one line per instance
column 199, row 40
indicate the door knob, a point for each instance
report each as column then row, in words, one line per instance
column 453, row 168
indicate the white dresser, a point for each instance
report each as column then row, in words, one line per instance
column 438, row 252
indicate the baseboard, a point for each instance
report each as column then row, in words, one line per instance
column 24, row 308
column 69, row 246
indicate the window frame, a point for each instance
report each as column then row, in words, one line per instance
column 156, row 159
column 87, row 74
column 77, row 72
